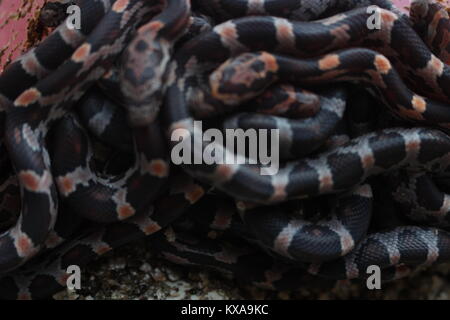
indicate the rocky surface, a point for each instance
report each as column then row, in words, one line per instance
column 134, row 272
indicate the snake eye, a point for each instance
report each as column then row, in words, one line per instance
column 141, row 46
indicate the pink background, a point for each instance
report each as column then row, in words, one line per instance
column 13, row 34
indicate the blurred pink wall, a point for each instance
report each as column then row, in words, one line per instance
column 13, row 34
column 14, row 17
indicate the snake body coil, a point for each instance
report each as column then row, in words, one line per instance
column 88, row 116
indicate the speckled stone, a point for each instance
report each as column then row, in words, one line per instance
column 134, row 272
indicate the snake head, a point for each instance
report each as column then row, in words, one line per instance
column 242, row 78
column 142, row 78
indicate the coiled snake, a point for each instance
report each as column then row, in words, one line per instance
column 88, row 114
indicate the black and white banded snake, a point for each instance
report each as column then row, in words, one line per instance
column 139, row 68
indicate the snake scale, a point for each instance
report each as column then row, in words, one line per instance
column 364, row 117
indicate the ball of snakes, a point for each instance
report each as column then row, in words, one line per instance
column 363, row 114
